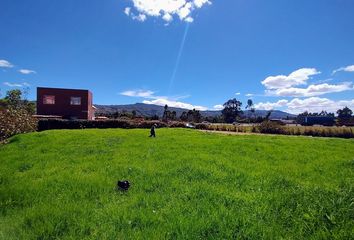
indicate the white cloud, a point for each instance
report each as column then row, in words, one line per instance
column 270, row 105
column 345, row 69
column 166, row 8
column 249, row 95
column 127, row 11
column 184, row 11
column 349, row 68
column 286, row 86
column 316, row 104
column 16, row 84
column 138, row 93
column 27, row 71
column 298, row 77
column 238, row 93
column 172, row 103
column 5, row 64
column 161, row 100
column 167, row 17
column 200, row 3
column 312, row 104
column 218, row 107
column 140, row 17
column 311, row 91
column 189, row 19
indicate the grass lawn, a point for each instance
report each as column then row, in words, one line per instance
column 186, row 184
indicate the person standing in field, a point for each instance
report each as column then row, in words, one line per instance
column 152, row 131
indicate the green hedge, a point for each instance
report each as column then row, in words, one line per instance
column 49, row 124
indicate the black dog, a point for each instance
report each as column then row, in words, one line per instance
column 123, row 185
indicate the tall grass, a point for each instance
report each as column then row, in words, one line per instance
column 315, row 131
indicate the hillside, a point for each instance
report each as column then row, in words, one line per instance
column 185, row 184
column 148, row 110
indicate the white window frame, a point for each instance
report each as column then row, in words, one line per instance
column 74, row 99
column 45, row 97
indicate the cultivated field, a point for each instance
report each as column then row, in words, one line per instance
column 186, row 184
column 291, row 129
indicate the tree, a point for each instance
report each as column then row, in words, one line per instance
column 196, row 116
column 184, row 117
column 232, row 109
column 13, row 98
column 166, row 114
column 250, row 106
column 16, row 99
column 268, row 115
column 345, row 113
column 345, row 116
column 173, row 115
column 191, row 116
column 134, row 114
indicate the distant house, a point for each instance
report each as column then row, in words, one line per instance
column 65, row 103
column 283, row 121
column 317, row 120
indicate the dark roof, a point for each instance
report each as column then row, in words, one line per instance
column 69, row 89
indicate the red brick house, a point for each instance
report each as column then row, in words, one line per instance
column 65, row 103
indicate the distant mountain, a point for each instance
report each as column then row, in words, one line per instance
column 149, row 110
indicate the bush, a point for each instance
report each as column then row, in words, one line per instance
column 47, row 124
column 271, row 127
column 345, row 121
column 148, row 124
column 177, row 125
column 202, row 126
column 254, row 129
column 14, row 121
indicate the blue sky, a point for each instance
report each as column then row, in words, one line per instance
column 288, row 55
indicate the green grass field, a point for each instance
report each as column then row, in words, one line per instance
column 186, row 184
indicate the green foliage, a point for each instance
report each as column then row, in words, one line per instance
column 345, row 113
column 345, row 117
column 13, row 98
column 48, row 124
column 119, row 115
column 191, row 116
column 202, row 126
column 185, row 185
column 232, row 109
column 184, row 117
column 194, row 116
column 250, row 106
column 166, row 114
column 271, row 127
column 3, row 104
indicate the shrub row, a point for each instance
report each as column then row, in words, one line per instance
column 48, row 124
column 268, row 127
column 224, row 127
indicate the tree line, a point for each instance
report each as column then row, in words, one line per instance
column 231, row 112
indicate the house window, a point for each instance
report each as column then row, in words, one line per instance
column 49, row 99
column 75, row 101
